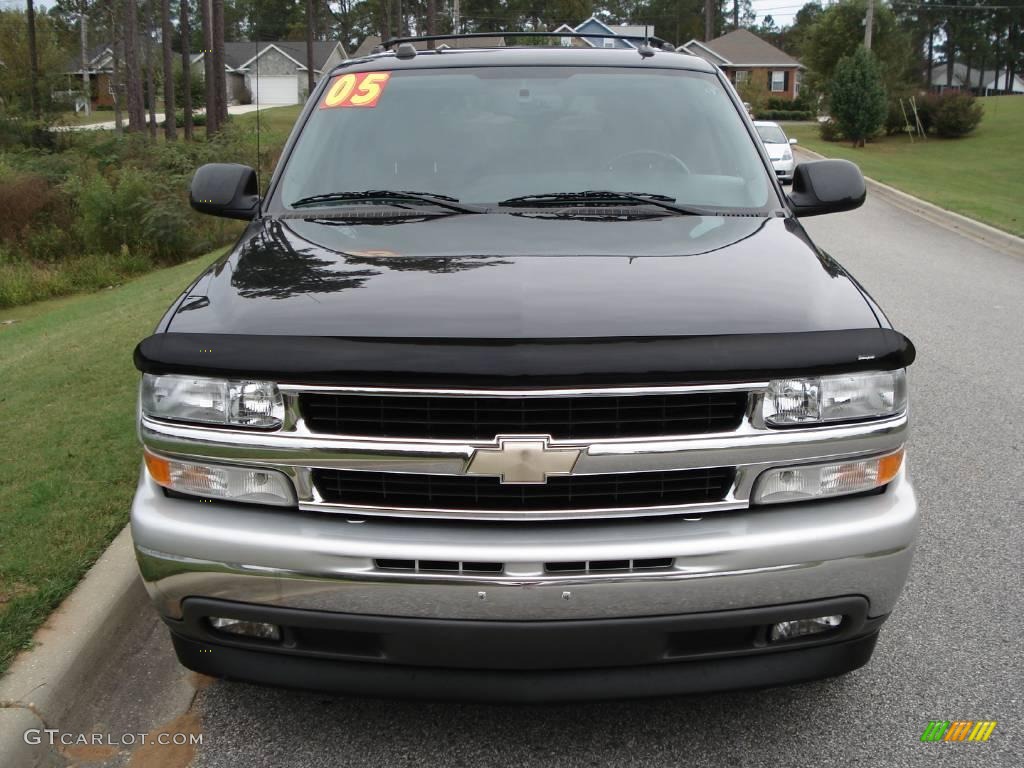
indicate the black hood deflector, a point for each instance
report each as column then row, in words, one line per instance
column 590, row 362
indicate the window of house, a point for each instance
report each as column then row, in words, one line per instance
column 778, row 81
column 796, row 84
column 742, row 76
column 566, row 42
column 609, row 42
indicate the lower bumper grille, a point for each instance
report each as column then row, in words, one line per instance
column 576, row 492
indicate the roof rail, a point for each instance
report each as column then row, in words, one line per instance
column 393, row 41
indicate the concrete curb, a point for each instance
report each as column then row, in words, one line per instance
column 955, row 222
column 35, row 691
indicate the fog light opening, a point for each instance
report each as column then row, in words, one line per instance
column 789, row 630
column 258, row 629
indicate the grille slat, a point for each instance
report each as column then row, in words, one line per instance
column 577, row 492
column 485, row 417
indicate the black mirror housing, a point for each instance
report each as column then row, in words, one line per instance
column 826, row 186
column 225, row 189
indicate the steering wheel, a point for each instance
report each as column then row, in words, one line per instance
column 653, row 153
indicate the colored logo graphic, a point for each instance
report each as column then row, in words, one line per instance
column 958, row 730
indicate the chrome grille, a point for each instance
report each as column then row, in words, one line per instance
column 477, row 417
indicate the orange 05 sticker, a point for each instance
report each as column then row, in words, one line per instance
column 356, row 89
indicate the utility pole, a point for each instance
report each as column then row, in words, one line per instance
column 310, row 79
column 869, row 23
column 709, row 19
column 84, row 36
column 736, row 14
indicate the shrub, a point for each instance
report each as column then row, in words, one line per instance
column 829, row 131
column 857, row 96
column 955, row 114
column 179, row 119
column 895, row 120
column 22, row 199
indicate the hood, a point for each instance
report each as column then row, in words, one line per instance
column 515, row 276
column 776, row 151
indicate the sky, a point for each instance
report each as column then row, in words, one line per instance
column 780, row 10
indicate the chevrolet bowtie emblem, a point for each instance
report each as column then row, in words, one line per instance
column 523, row 460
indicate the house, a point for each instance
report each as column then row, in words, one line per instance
column 745, row 57
column 100, row 66
column 274, row 72
column 634, row 35
column 981, row 81
column 372, row 41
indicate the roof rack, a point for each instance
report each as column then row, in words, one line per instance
column 393, row 41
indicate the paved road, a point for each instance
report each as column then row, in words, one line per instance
column 109, row 125
column 952, row 650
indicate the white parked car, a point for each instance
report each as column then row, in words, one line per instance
column 779, row 150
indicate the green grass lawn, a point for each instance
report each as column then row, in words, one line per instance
column 70, row 456
column 980, row 175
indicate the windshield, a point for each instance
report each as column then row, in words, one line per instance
column 480, row 136
column 771, row 134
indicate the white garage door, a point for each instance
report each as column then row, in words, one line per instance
column 275, row 90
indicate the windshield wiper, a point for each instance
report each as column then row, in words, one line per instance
column 605, row 196
column 442, row 201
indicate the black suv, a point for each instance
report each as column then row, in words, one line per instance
column 524, row 382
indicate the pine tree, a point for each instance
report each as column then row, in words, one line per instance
column 857, row 96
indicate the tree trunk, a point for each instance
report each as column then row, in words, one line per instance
column 950, row 54
column 206, row 18
column 967, row 78
column 431, row 20
column 150, row 75
column 735, row 14
column 84, row 39
column 170, row 123
column 310, row 77
column 186, row 70
column 931, row 52
column 133, row 74
column 115, row 61
column 709, row 19
column 33, row 61
column 220, row 73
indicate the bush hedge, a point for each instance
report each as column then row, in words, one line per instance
column 783, row 114
column 92, row 208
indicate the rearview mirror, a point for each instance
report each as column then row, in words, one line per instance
column 225, row 189
column 792, row 141
column 826, row 186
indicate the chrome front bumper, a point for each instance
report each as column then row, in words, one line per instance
column 759, row 556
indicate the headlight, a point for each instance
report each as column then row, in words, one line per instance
column 835, row 398
column 213, row 481
column 819, row 481
column 787, row 155
column 212, row 401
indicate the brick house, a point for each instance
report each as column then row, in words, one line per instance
column 744, row 57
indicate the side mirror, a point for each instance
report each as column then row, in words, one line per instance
column 792, row 141
column 225, row 189
column 826, row 186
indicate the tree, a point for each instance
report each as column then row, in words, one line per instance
column 170, row 126
column 132, row 68
column 839, row 31
column 186, row 70
column 857, row 96
column 33, row 59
